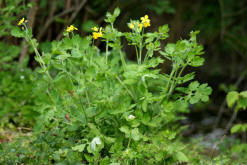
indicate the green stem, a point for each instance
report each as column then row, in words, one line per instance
column 80, row 96
column 84, row 112
column 140, row 47
column 140, row 52
column 180, row 73
column 170, row 77
column 129, row 141
column 42, row 63
column 172, row 83
column 128, row 147
column 106, row 51
column 137, row 55
column 146, row 56
column 125, row 87
column 88, row 98
column 176, row 80
column 122, row 60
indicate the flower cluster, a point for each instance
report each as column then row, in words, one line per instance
column 97, row 32
column 145, row 22
column 71, row 28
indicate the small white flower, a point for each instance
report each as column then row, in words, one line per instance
column 96, row 141
column 22, row 77
column 131, row 117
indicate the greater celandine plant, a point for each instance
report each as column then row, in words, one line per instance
column 97, row 107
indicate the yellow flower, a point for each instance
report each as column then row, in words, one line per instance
column 71, row 28
column 21, row 22
column 145, row 21
column 97, row 33
column 140, row 26
column 147, row 24
column 144, row 18
column 131, row 26
column 95, row 28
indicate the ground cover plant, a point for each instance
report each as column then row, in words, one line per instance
column 114, row 90
column 16, row 103
column 97, row 107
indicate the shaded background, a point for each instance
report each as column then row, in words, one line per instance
column 223, row 33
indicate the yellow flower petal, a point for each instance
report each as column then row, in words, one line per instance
column 96, row 35
column 97, row 32
column 147, row 24
column 71, row 28
column 21, row 22
column 95, row 28
column 140, row 26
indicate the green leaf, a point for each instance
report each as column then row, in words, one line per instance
column 116, row 12
column 182, row 157
column 105, row 161
column 187, row 77
column 204, row 98
column 16, row 32
column 94, row 129
column 89, row 158
column 236, row 128
column 125, row 130
column 163, row 30
column 194, row 85
column 197, row 61
column 144, row 105
column 242, row 103
column 231, row 98
column 63, row 57
column 136, row 136
column 159, row 156
column 198, row 92
column 194, row 99
column 79, row 148
column 204, row 89
column 243, row 94
column 239, row 148
column 91, row 111
column 111, row 18
column 170, row 48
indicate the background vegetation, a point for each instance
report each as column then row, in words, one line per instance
column 209, row 136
